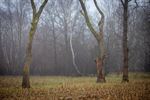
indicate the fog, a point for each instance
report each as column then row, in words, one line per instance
column 63, row 43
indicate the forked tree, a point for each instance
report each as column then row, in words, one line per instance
column 28, row 58
column 99, row 37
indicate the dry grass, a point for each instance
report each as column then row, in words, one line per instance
column 76, row 88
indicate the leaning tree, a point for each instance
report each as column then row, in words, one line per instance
column 28, row 58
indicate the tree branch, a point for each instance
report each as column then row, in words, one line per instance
column 122, row 3
column 136, row 3
column 101, row 22
column 102, row 14
column 42, row 7
column 84, row 13
column 33, row 7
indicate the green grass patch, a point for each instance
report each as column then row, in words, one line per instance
column 76, row 88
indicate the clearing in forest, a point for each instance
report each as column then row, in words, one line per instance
column 76, row 88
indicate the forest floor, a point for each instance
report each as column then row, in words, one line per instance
column 76, row 88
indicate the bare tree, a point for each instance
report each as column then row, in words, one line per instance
column 51, row 16
column 125, row 4
column 99, row 37
column 62, row 23
column 28, row 59
column 21, row 8
column 2, row 58
column 125, row 40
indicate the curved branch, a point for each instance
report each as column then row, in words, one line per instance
column 73, row 55
column 84, row 13
column 33, row 7
column 42, row 7
column 101, row 22
column 99, row 10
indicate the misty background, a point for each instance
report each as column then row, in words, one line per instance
column 61, row 18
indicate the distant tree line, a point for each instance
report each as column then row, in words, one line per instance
column 51, row 53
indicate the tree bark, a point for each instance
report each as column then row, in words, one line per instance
column 125, row 41
column 102, row 54
column 100, row 60
column 28, row 58
column 100, row 74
